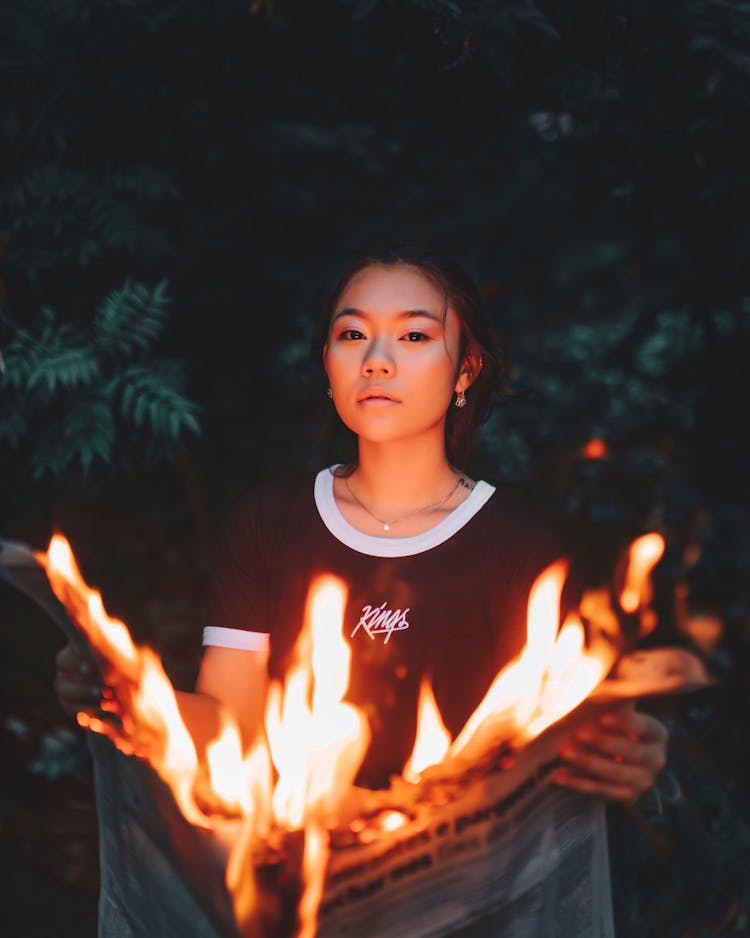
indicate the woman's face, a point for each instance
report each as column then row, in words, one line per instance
column 392, row 354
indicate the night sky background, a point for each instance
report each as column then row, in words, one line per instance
column 181, row 184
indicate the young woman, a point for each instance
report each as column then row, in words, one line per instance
column 438, row 565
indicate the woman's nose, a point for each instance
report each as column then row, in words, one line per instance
column 377, row 360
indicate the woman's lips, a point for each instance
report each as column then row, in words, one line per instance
column 377, row 401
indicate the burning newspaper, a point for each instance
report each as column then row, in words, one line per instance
column 278, row 841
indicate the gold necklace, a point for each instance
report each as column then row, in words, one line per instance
column 387, row 524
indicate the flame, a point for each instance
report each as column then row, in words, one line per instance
column 314, row 862
column 316, row 747
column 643, row 555
column 225, row 766
column 392, row 820
column 316, row 740
column 297, row 776
column 551, row 676
column 146, row 690
column 109, row 636
column 433, row 739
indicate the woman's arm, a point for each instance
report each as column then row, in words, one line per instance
column 236, row 678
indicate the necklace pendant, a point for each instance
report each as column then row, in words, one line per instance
column 386, row 527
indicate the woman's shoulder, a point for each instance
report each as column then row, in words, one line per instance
column 509, row 507
column 513, row 525
column 265, row 507
column 274, row 491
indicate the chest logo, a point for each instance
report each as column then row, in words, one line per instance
column 380, row 620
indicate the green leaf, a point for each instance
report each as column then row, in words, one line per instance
column 152, row 396
column 67, row 368
column 89, row 431
column 13, row 426
column 132, row 318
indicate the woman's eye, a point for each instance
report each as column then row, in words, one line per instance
column 415, row 337
column 351, row 335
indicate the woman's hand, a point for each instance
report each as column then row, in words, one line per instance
column 617, row 755
column 78, row 682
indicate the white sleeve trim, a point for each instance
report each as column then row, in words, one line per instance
column 236, row 638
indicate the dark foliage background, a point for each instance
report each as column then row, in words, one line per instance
column 181, row 183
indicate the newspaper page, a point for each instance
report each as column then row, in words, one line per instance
column 513, row 856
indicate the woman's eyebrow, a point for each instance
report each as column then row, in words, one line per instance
column 405, row 314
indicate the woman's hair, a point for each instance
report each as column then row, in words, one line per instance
column 462, row 295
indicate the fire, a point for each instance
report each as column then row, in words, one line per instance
column 314, row 863
column 316, row 740
column 109, row 636
column 644, row 553
column 225, row 764
column 317, row 747
column 433, row 739
column 144, row 689
column 553, row 670
column 297, row 776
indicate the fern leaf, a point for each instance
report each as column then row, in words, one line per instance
column 12, row 426
column 153, row 396
column 89, row 431
column 68, row 368
column 131, row 318
column 146, row 182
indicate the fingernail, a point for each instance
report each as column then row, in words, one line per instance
column 585, row 735
column 567, row 752
column 107, row 692
column 607, row 719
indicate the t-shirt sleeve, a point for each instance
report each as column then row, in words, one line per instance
column 239, row 611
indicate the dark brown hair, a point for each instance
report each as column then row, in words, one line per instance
column 462, row 295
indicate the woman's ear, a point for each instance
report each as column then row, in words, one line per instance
column 470, row 368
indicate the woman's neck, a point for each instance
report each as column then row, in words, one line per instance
column 398, row 477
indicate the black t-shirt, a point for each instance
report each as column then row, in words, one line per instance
column 450, row 602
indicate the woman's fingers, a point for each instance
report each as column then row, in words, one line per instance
column 591, row 786
column 628, row 721
column 75, row 695
column 78, row 682
column 618, row 755
column 609, row 770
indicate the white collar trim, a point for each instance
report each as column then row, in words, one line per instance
column 376, row 546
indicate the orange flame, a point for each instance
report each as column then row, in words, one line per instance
column 433, row 739
column 317, row 748
column 552, row 674
column 225, row 766
column 643, row 555
column 109, row 636
column 148, row 692
column 315, row 740
column 314, row 862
